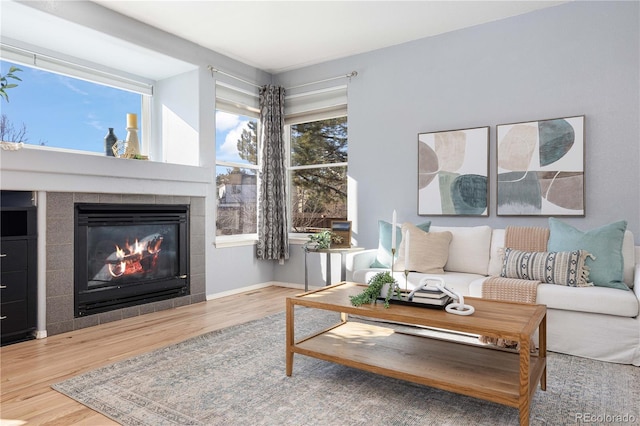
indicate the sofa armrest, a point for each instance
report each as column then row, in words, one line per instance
column 636, row 281
column 360, row 260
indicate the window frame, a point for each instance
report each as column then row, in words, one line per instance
column 91, row 74
column 308, row 118
column 238, row 239
column 322, row 104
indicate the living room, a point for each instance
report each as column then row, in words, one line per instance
column 575, row 58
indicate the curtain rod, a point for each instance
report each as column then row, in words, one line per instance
column 214, row 70
column 349, row 76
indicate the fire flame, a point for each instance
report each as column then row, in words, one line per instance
column 128, row 260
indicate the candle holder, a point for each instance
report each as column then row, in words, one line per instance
column 393, row 258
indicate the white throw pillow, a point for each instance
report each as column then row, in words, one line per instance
column 469, row 248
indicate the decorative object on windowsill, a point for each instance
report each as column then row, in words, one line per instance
column 109, row 141
column 372, row 292
column 130, row 147
column 322, row 240
column 11, row 146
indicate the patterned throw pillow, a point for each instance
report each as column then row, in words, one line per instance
column 563, row 268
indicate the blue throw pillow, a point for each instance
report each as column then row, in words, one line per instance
column 383, row 257
column 604, row 243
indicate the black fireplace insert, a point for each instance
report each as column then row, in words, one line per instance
column 129, row 254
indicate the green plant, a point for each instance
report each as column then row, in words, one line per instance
column 4, row 82
column 323, row 239
column 371, row 293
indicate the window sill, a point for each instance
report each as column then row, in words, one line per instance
column 53, row 169
column 251, row 239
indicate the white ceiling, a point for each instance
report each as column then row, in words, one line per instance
column 277, row 36
column 274, row 36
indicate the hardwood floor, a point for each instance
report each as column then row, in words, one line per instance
column 29, row 368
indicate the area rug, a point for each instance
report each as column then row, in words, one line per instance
column 236, row 376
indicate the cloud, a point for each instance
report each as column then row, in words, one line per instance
column 94, row 122
column 67, row 82
column 226, row 121
column 229, row 148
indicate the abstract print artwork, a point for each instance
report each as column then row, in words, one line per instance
column 453, row 172
column 541, row 168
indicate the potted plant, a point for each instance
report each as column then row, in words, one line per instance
column 376, row 285
column 322, row 240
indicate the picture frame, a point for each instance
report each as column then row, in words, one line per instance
column 540, row 168
column 341, row 228
column 453, row 172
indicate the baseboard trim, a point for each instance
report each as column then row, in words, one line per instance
column 253, row 288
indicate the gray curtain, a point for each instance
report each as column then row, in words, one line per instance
column 273, row 235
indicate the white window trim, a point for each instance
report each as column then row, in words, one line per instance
column 306, row 107
column 232, row 100
column 92, row 75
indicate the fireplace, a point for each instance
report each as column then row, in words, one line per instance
column 129, row 254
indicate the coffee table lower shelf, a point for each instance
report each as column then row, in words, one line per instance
column 480, row 372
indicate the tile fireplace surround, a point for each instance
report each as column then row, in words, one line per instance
column 59, row 264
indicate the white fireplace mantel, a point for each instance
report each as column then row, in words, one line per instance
column 36, row 169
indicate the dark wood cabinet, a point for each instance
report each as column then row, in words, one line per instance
column 18, row 273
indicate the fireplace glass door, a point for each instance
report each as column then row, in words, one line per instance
column 125, row 255
column 129, row 254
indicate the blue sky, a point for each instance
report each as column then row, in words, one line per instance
column 65, row 112
column 228, row 131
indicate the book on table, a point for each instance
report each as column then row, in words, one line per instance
column 429, row 294
column 441, row 301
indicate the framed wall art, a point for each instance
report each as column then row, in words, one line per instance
column 540, row 168
column 453, row 172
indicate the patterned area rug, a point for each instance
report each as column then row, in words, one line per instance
column 236, row 376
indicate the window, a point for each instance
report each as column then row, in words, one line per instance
column 236, row 173
column 59, row 111
column 316, row 136
column 318, row 173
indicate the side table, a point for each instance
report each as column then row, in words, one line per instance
column 328, row 252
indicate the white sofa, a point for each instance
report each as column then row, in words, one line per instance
column 593, row 322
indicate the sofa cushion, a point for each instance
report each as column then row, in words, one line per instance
column 595, row 300
column 604, row 243
column 469, row 248
column 428, row 251
column 563, row 268
column 383, row 257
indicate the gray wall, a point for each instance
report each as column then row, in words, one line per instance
column 576, row 58
column 573, row 59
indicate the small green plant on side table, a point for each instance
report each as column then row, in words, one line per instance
column 322, row 240
column 371, row 293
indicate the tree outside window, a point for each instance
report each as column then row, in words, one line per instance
column 318, row 173
column 236, row 174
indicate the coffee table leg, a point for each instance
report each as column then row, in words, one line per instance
column 290, row 338
column 542, row 352
column 525, row 365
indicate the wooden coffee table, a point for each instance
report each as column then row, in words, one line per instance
column 505, row 377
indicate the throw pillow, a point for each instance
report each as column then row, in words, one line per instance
column 563, row 268
column 383, row 257
column 428, row 251
column 604, row 243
